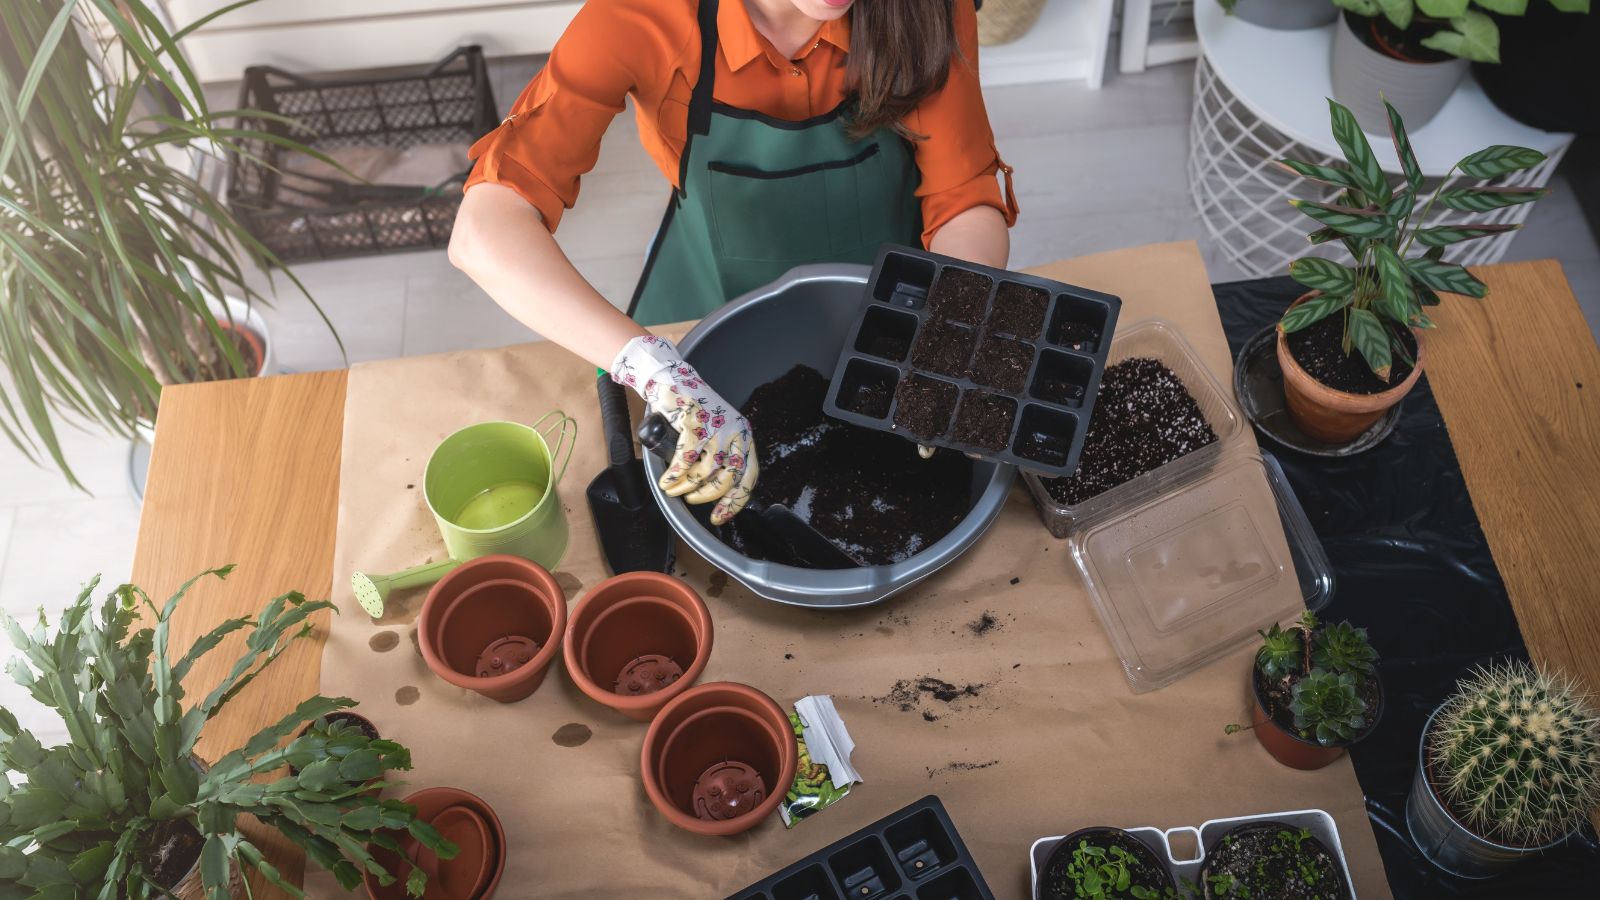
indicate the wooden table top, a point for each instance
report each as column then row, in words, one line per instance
column 247, row 472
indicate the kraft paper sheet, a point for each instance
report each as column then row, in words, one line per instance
column 1055, row 740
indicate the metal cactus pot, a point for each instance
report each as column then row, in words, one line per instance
column 1443, row 839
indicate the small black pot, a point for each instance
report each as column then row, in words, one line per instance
column 1099, row 836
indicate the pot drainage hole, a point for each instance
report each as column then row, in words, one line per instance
column 727, row 790
column 507, row 654
column 647, row 674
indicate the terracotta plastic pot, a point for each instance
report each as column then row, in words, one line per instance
column 487, row 861
column 1334, row 416
column 718, row 758
column 1290, row 748
column 637, row 640
column 493, row 626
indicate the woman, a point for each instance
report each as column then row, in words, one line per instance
column 793, row 131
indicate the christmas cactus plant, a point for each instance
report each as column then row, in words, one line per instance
column 1399, row 267
column 125, row 809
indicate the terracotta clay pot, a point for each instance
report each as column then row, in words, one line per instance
column 493, row 626
column 719, row 758
column 637, row 640
column 490, row 859
column 1334, row 416
column 1290, row 748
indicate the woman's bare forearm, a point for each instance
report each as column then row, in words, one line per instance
column 501, row 242
column 977, row 235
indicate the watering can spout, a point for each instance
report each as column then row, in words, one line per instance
column 372, row 591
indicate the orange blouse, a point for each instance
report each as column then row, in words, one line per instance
column 650, row 50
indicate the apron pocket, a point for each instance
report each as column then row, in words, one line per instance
column 807, row 214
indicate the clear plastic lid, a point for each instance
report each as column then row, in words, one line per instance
column 1187, row 569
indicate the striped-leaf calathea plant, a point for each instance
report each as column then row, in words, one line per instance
column 124, row 809
column 1399, row 267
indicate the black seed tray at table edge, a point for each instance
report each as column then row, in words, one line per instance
column 914, row 302
column 895, row 844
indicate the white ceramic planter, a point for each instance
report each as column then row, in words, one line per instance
column 1287, row 15
column 1363, row 77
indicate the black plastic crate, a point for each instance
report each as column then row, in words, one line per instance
column 302, row 216
column 1063, row 356
column 914, row 854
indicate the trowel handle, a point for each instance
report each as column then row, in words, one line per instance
column 657, row 435
column 614, row 421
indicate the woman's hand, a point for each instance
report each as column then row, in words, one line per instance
column 715, row 458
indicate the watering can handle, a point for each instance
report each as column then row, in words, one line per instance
column 566, row 429
column 656, row 435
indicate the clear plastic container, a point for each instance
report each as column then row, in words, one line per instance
column 1186, row 561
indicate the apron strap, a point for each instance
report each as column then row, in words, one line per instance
column 700, row 99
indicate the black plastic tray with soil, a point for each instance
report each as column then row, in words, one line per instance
column 913, row 853
column 1065, row 871
column 1145, row 419
column 1271, row 861
column 867, row 492
column 935, row 331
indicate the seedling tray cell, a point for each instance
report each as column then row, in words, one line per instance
column 913, row 854
column 997, row 364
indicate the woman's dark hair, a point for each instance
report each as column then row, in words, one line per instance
column 900, row 52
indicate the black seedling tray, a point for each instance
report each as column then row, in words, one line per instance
column 1050, row 403
column 914, row 854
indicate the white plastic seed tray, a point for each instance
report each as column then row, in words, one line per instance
column 1319, row 823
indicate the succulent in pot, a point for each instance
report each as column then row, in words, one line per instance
column 1352, row 347
column 124, row 809
column 1507, row 767
column 1316, row 690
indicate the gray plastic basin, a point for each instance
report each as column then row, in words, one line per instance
column 805, row 317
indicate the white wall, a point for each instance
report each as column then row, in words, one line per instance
column 308, row 36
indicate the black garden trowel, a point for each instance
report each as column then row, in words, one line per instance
column 634, row 535
column 775, row 524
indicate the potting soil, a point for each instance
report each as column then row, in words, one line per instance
column 1319, row 349
column 867, row 492
column 1144, row 418
column 1019, row 310
column 959, row 296
column 1002, row 363
column 1144, row 869
column 1272, row 861
column 985, row 420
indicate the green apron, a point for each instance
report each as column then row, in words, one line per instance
column 758, row 196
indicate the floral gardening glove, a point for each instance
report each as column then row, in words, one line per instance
column 715, row 458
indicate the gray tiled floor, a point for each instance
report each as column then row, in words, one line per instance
column 1095, row 171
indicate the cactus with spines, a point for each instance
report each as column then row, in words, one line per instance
column 1516, row 754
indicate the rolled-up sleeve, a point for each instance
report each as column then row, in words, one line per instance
column 956, row 155
column 552, row 135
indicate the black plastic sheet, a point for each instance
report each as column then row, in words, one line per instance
column 1411, row 564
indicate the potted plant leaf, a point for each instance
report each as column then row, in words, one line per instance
column 1415, row 51
column 1350, row 349
column 1282, row 15
column 126, row 810
column 1316, row 690
column 121, row 272
column 1103, row 863
column 1507, row 767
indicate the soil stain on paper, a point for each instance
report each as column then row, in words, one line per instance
column 569, row 583
column 407, row 695
column 984, row 624
column 716, row 584
column 954, row 767
column 929, row 696
column 384, row 641
column 572, row 734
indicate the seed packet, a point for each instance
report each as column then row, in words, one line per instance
column 824, row 775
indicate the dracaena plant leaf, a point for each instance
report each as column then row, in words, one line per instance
column 1498, row 160
column 1312, row 311
column 1485, row 199
column 1362, row 223
column 1445, row 235
column 1364, row 167
column 1472, row 35
column 1367, row 334
column 1443, row 276
column 1323, row 274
